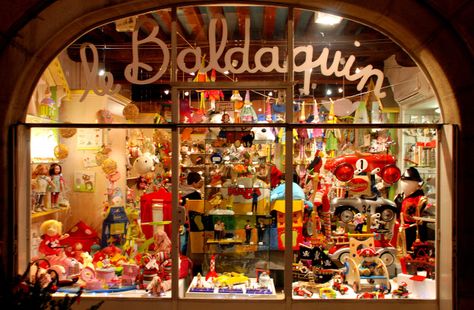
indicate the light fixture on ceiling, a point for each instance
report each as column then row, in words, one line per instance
column 329, row 92
column 167, row 91
column 357, row 43
column 192, row 73
column 357, row 70
column 235, row 62
column 226, row 72
column 339, row 90
column 326, row 19
column 101, row 72
column 270, row 94
column 186, row 93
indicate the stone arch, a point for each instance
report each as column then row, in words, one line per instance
column 39, row 40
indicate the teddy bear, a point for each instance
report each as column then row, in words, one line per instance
column 51, row 233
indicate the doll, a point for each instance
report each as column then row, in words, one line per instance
column 41, row 180
column 55, row 173
column 51, row 233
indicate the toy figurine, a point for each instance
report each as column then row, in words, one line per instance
column 155, row 287
column 248, row 231
column 261, row 231
column 368, row 266
column 40, row 186
column 411, row 203
column 51, row 233
column 55, row 173
column 255, row 194
column 401, row 291
column 359, row 221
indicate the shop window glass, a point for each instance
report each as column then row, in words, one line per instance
column 368, row 228
column 233, row 233
column 348, row 167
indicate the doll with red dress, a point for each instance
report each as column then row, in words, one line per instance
column 51, row 235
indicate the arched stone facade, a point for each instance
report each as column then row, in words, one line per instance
column 438, row 36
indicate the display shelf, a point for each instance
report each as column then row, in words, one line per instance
column 38, row 215
column 244, row 291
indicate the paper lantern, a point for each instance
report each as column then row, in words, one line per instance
column 61, row 151
column 130, row 111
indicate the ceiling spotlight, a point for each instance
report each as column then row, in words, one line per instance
column 326, row 19
column 226, row 72
column 101, row 72
column 235, row 62
column 186, row 93
column 167, row 91
column 270, row 93
column 339, row 90
column 356, row 43
column 192, row 73
column 329, row 92
column 357, row 70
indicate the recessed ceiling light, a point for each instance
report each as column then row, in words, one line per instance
column 327, row 19
column 328, row 92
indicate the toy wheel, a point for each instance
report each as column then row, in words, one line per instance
column 346, row 215
column 387, row 258
column 343, row 256
column 387, row 215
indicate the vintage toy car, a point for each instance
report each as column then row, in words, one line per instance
column 383, row 248
column 229, row 279
column 346, row 208
column 371, row 295
column 344, row 167
column 301, row 291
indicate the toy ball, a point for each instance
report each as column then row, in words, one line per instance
column 67, row 132
column 130, row 111
column 61, row 151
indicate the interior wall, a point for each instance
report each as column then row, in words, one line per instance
column 87, row 206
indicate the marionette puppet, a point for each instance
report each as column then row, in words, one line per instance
column 411, row 203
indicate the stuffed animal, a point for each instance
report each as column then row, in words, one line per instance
column 264, row 134
column 144, row 164
column 51, row 233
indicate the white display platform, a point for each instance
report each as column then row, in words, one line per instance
column 238, row 290
column 125, row 294
column 425, row 289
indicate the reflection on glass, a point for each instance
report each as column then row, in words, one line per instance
column 123, row 245
column 228, row 175
column 233, row 106
column 369, row 217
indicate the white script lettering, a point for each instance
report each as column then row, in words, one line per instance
column 216, row 51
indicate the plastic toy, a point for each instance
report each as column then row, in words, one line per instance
column 327, row 293
column 365, row 269
column 229, row 279
column 401, row 291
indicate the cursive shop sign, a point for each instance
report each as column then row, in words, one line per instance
column 102, row 85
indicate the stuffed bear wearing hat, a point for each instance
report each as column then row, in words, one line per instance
column 411, row 202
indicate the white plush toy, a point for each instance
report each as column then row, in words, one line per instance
column 264, row 134
column 144, row 164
